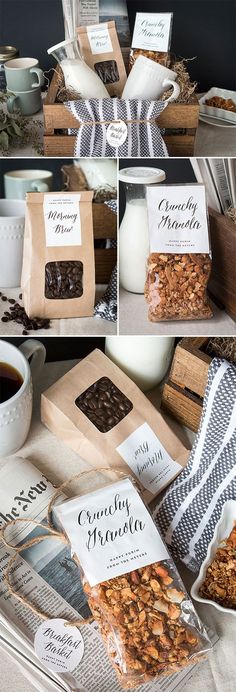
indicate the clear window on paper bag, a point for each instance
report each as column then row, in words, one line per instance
column 63, row 280
column 107, row 70
column 104, row 404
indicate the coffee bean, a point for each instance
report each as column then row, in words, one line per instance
column 4, row 298
column 17, row 314
column 104, row 404
column 5, row 319
column 24, row 332
column 11, row 300
column 63, row 280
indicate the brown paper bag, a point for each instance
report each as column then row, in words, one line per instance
column 58, row 273
column 100, row 48
column 134, row 437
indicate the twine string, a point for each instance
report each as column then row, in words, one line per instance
column 52, row 533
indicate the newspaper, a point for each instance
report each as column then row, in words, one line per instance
column 49, row 578
column 84, row 12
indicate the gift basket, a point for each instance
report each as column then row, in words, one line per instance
column 93, row 109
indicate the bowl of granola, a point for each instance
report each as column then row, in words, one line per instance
column 216, row 582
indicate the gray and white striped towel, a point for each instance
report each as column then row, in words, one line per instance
column 192, row 506
column 144, row 139
column 106, row 307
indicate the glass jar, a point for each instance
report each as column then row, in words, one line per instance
column 134, row 234
column 6, row 53
column 145, row 359
column 77, row 75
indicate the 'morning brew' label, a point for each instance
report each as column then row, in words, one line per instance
column 62, row 220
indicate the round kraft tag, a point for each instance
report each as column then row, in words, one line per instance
column 58, row 646
column 117, row 133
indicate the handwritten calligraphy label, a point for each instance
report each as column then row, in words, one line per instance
column 62, row 220
column 177, row 217
column 58, row 646
column 152, row 31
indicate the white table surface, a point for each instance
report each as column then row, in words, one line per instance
column 210, row 140
column 218, row 673
column 82, row 326
column 133, row 320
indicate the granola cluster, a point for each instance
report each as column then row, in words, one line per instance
column 220, row 581
column 176, row 286
column 157, row 56
column 140, row 618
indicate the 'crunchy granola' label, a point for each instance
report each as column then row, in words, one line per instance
column 148, row 459
column 152, row 31
column 111, row 532
column 177, row 216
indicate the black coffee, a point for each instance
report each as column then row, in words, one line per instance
column 10, row 381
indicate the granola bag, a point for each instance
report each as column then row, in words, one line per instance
column 101, row 51
column 58, row 276
column 179, row 263
column 101, row 414
column 152, row 37
column 147, row 621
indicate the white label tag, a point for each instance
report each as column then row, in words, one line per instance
column 111, row 531
column 62, row 220
column 177, row 217
column 116, row 133
column 152, row 31
column 148, row 459
column 99, row 39
column 88, row 12
column 58, row 646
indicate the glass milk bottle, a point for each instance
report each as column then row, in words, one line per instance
column 145, row 359
column 78, row 76
column 134, row 235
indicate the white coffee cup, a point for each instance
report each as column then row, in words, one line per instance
column 12, row 225
column 148, row 80
column 16, row 412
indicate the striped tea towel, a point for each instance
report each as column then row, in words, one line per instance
column 192, row 506
column 143, row 139
column 106, row 307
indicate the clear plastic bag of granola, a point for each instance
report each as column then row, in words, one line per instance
column 176, row 282
column 163, row 57
column 147, row 621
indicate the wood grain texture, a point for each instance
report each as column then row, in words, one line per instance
column 183, row 394
column 222, row 283
column 184, row 406
column 104, row 222
column 105, row 261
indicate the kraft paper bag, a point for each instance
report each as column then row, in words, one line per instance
column 100, row 48
column 58, row 273
column 141, row 443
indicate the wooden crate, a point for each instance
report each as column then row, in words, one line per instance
column 104, row 227
column 176, row 117
column 183, row 393
column 222, row 284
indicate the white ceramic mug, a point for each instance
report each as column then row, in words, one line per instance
column 16, row 412
column 12, row 225
column 145, row 359
column 148, row 80
column 18, row 183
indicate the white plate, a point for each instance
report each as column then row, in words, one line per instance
column 210, row 120
column 218, row 112
column 222, row 531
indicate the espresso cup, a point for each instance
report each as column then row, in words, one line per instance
column 148, row 80
column 16, row 412
column 12, row 225
column 23, row 74
column 18, row 183
column 28, row 102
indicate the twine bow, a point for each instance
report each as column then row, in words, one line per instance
column 52, row 533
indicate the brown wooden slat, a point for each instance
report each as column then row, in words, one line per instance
column 185, row 407
column 222, row 282
column 63, row 145
column 190, row 368
column 180, row 145
column 105, row 261
column 104, row 222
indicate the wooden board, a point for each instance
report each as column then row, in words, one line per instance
column 222, row 284
column 183, row 393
